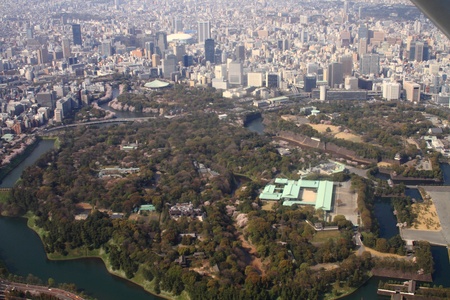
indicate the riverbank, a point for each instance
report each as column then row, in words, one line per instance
column 4, row 171
column 80, row 253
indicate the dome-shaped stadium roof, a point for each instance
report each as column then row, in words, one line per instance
column 156, row 84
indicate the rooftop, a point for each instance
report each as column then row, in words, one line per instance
column 301, row 192
column 156, row 84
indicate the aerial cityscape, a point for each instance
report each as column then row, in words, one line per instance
column 215, row 149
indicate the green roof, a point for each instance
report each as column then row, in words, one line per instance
column 156, row 84
column 291, row 192
column 147, row 207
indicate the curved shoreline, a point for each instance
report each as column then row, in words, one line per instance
column 162, row 295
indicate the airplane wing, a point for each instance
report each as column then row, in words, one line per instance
column 438, row 11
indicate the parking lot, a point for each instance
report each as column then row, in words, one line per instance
column 345, row 202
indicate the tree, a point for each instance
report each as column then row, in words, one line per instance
column 51, row 282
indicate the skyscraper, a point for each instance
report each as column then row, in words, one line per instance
column 369, row 64
column 209, row 50
column 76, row 34
column 65, row 45
column 203, row 31
column 362, row 47
column 106, row 49
column 347, row 64
column 161, row 42
column 335, row 74
column 235, row 73
column 177, row 25
column 310, row 82
column 43, row 55
column 240, row 53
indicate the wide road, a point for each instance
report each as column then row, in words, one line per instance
column 6, row 286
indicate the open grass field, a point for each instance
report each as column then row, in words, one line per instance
column 324, row 236
column 322, row 128
column 349, row 137
column 268, row 205
column 427, row 217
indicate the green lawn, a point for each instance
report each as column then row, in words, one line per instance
column 323, row 236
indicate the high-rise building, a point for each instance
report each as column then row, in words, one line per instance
column 304, row 36
column 346, row 7
column 161, row 42
column 335, row 74
column 177, row 25
column 203, row 31
column 391, row 91
column 42, row 55
column 412, row 90
column 309, row 82
column 169, row 65
column 209, row 50
column 106, row 49
column 235, row 73
column 156, row 60
column 65, row 45
column 347, row 64
column 362, row 47
column 418, row 51
column 76, row 34
column 179, row 51
column 149, row 49
column 188, row 60
column 255, row 79
column 369, row 64
column 363, row 32
column 220, row 71
column 240, row 53
column 273, row 80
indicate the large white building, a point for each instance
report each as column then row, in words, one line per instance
column 235, row 73
column 391, row 90
column 255, row 79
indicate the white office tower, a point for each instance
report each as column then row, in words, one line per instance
column 235, row 73
column 203, row 31
column 351, row 83
column 255, row 79
column 391, row 91
column 323, row 92
column 220, row 71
